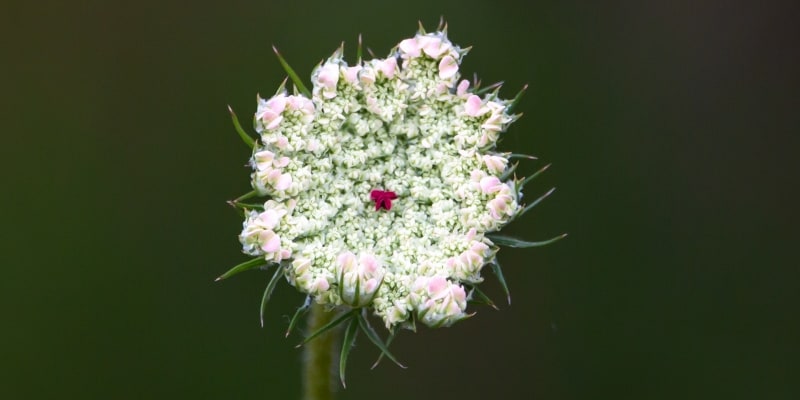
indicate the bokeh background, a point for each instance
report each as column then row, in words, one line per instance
column 671, row 128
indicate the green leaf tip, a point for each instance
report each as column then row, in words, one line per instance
column 292, row 75
column 339, row 52
column 330, row 325
column 282, row 87
column 498, row 271
column 491, row 88
column 421, row 29
column 242, row 134
column 508, row 241
column 247, row 265
column 519, row 155
column 245, row 206
column 517, row 98
column 347, row 345
column 532, row 177
column 237, row 202
column 248, row 195
column 297, row 314
column 389, row 340
column 507, row 173
column 534, row 203
column 478, row 296
column 268, row 292
column 359, row 51
column 376, row 340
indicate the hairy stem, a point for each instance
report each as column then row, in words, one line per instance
column 318, row 359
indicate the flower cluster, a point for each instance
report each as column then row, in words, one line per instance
column 383, row 183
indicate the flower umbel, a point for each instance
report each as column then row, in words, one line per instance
column 385, row 186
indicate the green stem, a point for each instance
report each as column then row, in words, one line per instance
column 318, row 360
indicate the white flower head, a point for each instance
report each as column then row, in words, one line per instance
column 384, row 182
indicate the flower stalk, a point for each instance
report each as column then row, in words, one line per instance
column 318, row 360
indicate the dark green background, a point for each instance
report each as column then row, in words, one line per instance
column 670, row 127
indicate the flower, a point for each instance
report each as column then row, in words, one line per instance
column 358, row 279
column 438, row 301
column 382, row 199
column 384, row 183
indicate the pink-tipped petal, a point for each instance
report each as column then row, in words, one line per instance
column 283, row 182
column 448, row 67
column 388, row 67
column 436, row 285
column 277, row 104
column 473, row 106
column 263, row 159
column 282, row 142
column 351, row 74
column 270, row 242
column 410, row 47
column 346, row 261
column 434, row 47
column 275, row 122
column 463, row 86
column 269, row 218
column 369, row 264
column 321, row 284
column 329, row 75
column 490, row 184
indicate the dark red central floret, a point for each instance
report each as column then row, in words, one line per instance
column 382, row 199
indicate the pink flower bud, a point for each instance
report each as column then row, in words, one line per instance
column 358, row 280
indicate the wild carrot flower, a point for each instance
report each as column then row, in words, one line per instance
column 385, row 186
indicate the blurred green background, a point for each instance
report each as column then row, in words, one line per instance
column 671, row 128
